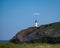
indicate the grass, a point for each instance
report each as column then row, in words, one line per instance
column 29, row 45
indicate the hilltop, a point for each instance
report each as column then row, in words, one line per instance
column 49, row 33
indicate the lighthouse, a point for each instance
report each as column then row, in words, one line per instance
column 36, row 14
column 36, row 23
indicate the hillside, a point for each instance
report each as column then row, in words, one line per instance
column 49, row 33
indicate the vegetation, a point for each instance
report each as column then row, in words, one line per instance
column 29, row 45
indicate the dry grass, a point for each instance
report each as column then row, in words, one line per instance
column 29, row 45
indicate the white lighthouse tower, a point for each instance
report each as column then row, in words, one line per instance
column 36, row 14
column 36, row 23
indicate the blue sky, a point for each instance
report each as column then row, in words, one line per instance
column 16, row 15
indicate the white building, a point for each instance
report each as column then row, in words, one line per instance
column 36, row 23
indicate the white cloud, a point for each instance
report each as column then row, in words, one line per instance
column 36, row 14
